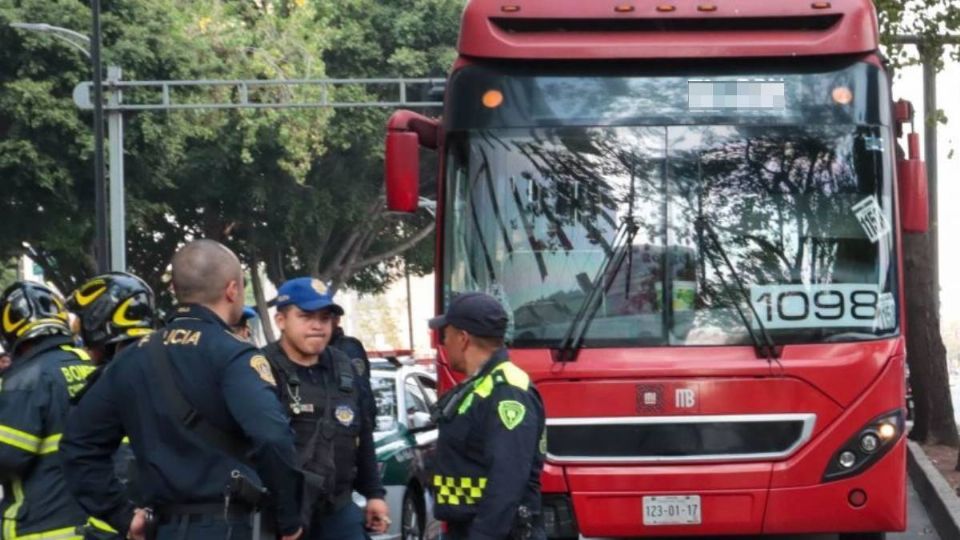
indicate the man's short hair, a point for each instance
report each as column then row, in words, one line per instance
column 487, row 342
column 202, row 269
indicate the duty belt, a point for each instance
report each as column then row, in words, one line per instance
column 172, row 512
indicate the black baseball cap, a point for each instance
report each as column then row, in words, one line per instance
column 477, row 313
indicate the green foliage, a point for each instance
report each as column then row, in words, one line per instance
column 8, row 273
column 931, row 20
column 299, row 190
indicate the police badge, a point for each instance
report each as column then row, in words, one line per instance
column 344, row 414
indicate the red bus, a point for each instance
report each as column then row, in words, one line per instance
column 693, row 212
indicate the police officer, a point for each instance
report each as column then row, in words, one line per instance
column 113, row 311
column 326, row 397
column 200, row 407
column 350, row 346
column 242, row 328
column 34, row 400
column 491, row 430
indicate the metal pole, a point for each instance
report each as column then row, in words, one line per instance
column 406, row 274
column 118, row 233
column 930, row 152
column 101, row 242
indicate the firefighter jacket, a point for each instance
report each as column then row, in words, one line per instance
column 230, row 387
column 34, row 401
column 490, row 452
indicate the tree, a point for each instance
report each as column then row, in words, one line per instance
column 336, row 221
column 926, row 355
column 294, row 190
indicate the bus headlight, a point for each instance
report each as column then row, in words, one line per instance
column 867, row 446
column 869, row 442
column 847, row 459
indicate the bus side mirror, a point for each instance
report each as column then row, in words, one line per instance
column 407, row 132
column 402, row 164
column 912, row 184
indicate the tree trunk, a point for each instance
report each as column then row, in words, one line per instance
column 261, row 301
column 926, row 355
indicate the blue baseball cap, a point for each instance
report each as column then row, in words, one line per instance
column 477, row 313
column 248, row 313
column 306, row 293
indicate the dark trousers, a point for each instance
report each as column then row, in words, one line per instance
column 206, row 528
column 346, row 523
column 461, row 531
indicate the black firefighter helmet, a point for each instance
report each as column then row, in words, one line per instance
column 29, row 310
column 113, row 308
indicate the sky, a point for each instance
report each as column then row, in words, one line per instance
column 909, row 85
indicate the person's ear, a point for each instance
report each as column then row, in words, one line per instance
column 234, row 291
column 280, row 317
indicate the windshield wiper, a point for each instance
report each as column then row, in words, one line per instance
column 765, row 348
column 622, row 245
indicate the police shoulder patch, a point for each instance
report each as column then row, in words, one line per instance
column 359, row 366
column 259, row 364
column 511, row 413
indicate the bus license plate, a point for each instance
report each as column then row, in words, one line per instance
column 672, row 510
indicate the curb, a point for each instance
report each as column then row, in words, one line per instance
column 939, row 500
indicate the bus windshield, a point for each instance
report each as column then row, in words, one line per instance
column 799, row 194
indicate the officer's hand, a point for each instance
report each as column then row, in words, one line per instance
column 138, row 525
column 293, row 536
column 377, row 515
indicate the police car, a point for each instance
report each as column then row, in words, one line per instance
column 406, row 440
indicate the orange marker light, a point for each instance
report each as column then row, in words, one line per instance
column 707, row 7
column 666, row 8
column 842, row 95
column 510, row 9
column 492, row 99
column 624, row 8
column 820, row 5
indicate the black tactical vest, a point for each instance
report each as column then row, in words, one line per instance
column 324, row 408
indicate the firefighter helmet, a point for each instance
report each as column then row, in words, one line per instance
column 112, row 308
column 28, row 310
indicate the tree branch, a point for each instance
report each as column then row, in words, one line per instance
column 348, row 246
column 407, row 244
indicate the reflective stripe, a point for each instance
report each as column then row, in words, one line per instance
column 514, row 375
column 465, row 404
column 10, row 516
column 19, row 439
column 81, row 354
column 66, row 533
column 10, row 521
column 100, row 525
column 454, row 490
column 30, row 443
column 507, row 372
column 484, row 386
column 50, row 445
column 40, row 322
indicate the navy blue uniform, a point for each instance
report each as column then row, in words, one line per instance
column 332, row 381
column 34, row 401
column 354, row 350
column 228, row 383
column 490, row 452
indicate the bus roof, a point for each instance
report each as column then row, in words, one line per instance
column 644, row 29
